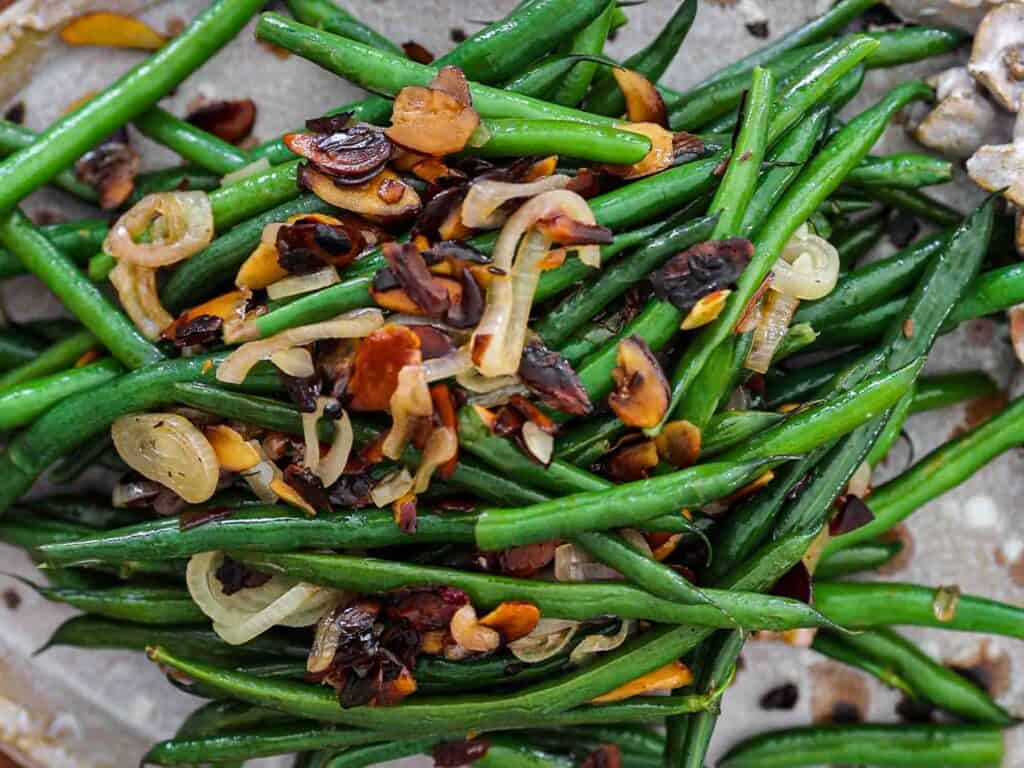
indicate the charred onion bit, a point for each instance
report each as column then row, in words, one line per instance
column 410, row 269
column 231, row 121
column 308, row 486
column 235, row 576
column 349, row 155
column 550, row 376
column 110, row 169
column 425, row 608
column 853, row 514
column 308, row 245
column 303, row 391
column 404, row 509
column 796, row 584
column 643, row 102
column 366, row 662
column 379, row 358
column 605, row 756
column 452, row 754
column 661, row 156
column 437, row 120
column 641, row 395
column 352, row 490
column 201, row 325
column 437, row 211
column 687, row 146
column 434, row 342
column 700, row 270
column 201, row 330
column 417, row 52
column 679, row 443
column 567, row 231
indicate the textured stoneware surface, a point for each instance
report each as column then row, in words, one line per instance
column 103, row 708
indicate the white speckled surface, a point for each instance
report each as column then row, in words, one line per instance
column 118, row 703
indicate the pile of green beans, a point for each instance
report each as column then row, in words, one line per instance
column 695, row 555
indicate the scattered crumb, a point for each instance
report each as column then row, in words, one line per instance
column 908, row 328
column 175, row 26
column 759, row 29
column 457, row 34
column 838, row 694
column 987, row 665
column 11, row 599
column 281, row 53
column 15, row 113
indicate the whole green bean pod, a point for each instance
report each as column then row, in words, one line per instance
column 80, row 296
column 23, row 403
column 516, row 137
column 192, row 143
column 169, row 180
column 617, row 507
column 864, row 557
column 920, row 746
column 651, row 61
column 74, row 134
column 944, row 390
column 910, row 170
column 818, row 179
column 336, row 20
column 219, row 716
column 92, row 511
column 14, row 137
column 78, row 240
column 917, row 203
column 927, row 678
column 943, row 469
column 589, row 40
column 57, row 357
column 833, row 646
column 142, row 605
column 856, row 240
column 865, row 605
column 541, row 78
column 579, row 601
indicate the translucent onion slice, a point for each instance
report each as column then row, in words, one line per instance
column 591, row 645
column 296, row 361
column 498, row 340
column 776, row 314
column 808, row 267
column 180, row 225
column 248, row 613
column 548, row 638
column 480, row 209
column 573, row 564
column 136, row 290
column 256, row 166
column 329, row 467
column 351, row 325
column 469, row 633
column 294, row 285
column 474, row 381
column 539, row 443
column 411, row 399
column 441, row 446
column 170, row 450
column 392, row 487
column 262, row 476
column 439, row 368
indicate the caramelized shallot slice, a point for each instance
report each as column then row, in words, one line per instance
column 643, row 102
column 137, row 291
column 350, row 155
column 661, row 156
column 481, row 208
column 441, row 447
column 641, row 395
column 383, row 197
column 469, row 633
column 438, row 120
column 411, row 400
column 180, row 225
column 513, row 619
column 378, row 360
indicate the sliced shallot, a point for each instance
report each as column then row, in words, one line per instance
column 180, row 225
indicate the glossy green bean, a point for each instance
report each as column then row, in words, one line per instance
column 834, row 646
column 516, row 137
column 57, row 357
column 23, row 403
column 540, row 79
column 944, row 390
column 77, row 240
column 943, row 469
column 618, row 507
column 78, row 509
column 651, row 61
column 917, row 203
column 220, row 716
column 336, row 20
column 893, row 428
column 865, row 557
column 169, row 180
column 14, row 137
column 865, row 605
column 589, row 40
column 18, row 347
column 920, row 746
column 74, row 134
column 190, row 142
column 927, row 678
column 141, row 605
column 78, row 295
column 904, row 170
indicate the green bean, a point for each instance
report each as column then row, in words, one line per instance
column 729, row 429
column 198, row 277
column 915, row 43
column 143, row 605
column 833, row 646
column 372, row 754
column 516, row 137
column 605, row 97
column 842, row 413
column 865, row 557
column 589, row 40
column 618, row 507
column 818, row 179
column 917, row 203
column 942, row 391
column 76, row 239
column 54, row 358
column 169, row 180
column 944, row 468
column 579, row 601
column 268, row 528
column 23, row 403
column 14, row 137
column 539, row 79
column 336, row 20
column 191, row 142
column 927, row 679
column 32, row 532
column 892, row 430
column 688, row 736
column 281, row 739
column 545, row 704
column 74, row 134
column 865, row 605
column 75, row 291
column 505, row 752
column 77, row 419
column 920, row 746
column 198, row 643
column 635, row 740
column 219, row 716
column 17, row 347
column 92, row 511
column 907, row 170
